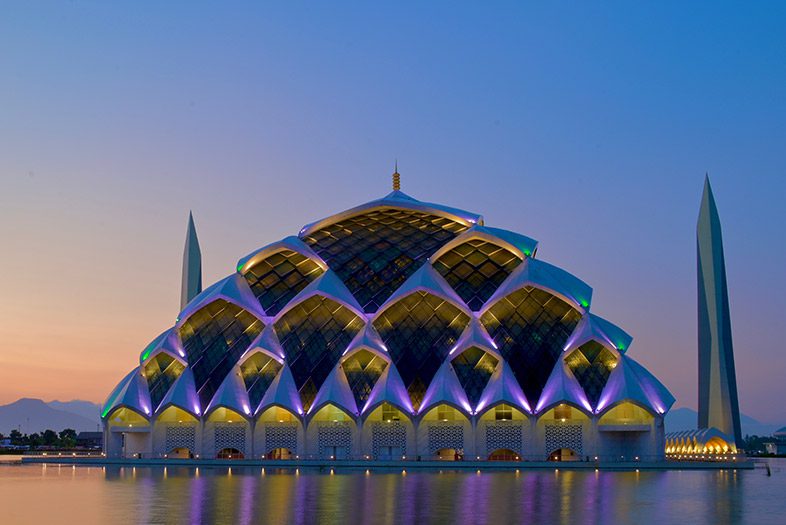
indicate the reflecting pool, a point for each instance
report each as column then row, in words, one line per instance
column 239, row 495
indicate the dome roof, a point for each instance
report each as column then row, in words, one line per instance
column 396, row 301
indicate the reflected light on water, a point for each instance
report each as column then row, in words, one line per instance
column 252, row 495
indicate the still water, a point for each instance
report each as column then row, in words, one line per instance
column 71, row 495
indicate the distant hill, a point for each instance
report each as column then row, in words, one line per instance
column 33, row 415
column 685, row 419
column 86, row 409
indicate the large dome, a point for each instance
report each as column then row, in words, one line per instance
column 396, row 302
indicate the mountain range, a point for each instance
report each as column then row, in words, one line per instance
column 33, row 415
column 683, row 418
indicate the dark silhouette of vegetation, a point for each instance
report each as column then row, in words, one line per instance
column 48, row 439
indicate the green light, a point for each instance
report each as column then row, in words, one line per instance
column 584, row 303
column 527, row 253
column 239, row 266
column 146, row 352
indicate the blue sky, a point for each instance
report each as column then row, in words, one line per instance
column 586, row 126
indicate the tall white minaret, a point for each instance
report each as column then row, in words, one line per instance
column 192, row 265
column 718, row 405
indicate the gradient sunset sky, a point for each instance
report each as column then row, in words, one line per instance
column 588, row 127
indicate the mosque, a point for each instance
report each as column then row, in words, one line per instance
column 395, row 330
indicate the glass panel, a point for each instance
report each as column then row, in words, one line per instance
column 626, row 414
column 214, row 338
column 475, row 269
column 592, row 364
column 314, row 334
column 419, row 331
column 530, row 327
column 474, row 368
column 258, row 372
column 374, row 253
column 390, row 413
column 363, row 369
column 161, row 372
column 278, row 278
column 503, row 413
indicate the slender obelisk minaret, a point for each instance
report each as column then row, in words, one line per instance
column 718, row 406
column 192, row 266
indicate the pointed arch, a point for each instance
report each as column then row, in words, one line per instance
column 374, row 250
column 314, row 334
column 277, row 274
column 214, row 337
column 259, row 369
column 419, row 330
column 161, row 371
column 363, row 368
column 530, row 327
column 591, row 365
column 476, row 268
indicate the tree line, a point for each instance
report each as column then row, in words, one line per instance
column 48, row 438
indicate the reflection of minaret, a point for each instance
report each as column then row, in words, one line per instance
column 192, row 266
column 718, row 406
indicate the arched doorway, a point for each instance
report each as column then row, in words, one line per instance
column 449, row 454
column 176, row 429
column 278, row 428
column 563, row 427
column 386, row 433
column 226, row 429
column 180, row 453
column 502, row 428
column 331, row 433
column 503, row 454
column 229, row 453
column 443, row 429
column 129, row 434
column 564, row 454
column 279, row 453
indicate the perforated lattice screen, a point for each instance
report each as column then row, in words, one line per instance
column 530, row 327
column 592, row 364
column 419, row 331
column 214, row 338
column 474, row 368
column 375, row 252
column 278, row 278
column 475, row 269
column 363, row 369
column 314, row 334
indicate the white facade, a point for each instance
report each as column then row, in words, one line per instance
column 398, row 329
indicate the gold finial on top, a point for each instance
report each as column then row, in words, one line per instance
column 396, row 178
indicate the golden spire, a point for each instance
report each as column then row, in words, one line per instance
column 396, row 178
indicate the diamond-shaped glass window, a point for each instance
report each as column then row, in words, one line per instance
column 161, row 372
column 474, row 367
column 363, row 369
column 475, row 269
column 258, row 372
column 276, row 279
column 214, row 338
column 592, row 364
column 314, row 334
column 530, row 327
column 419, row 331
column 374, row 253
